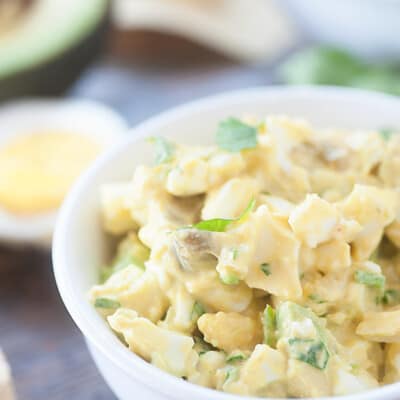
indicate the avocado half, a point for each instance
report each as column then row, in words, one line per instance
column 46, row 48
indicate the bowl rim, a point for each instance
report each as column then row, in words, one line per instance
column 98, row 334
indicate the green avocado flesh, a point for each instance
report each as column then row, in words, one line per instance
column 49, row 45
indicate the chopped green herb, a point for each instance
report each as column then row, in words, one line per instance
column 387, row 133
column 165, row 150
column 266, row 268
column 310, row 351
column 269, row 325
column 105, row 273
column 235, row 253
column 131, row 251
column 320, row 65
column 289, row 312
column 103, row 302
column 197, row 311
column 234, row 135
column 119, row 264
column 370, row 279
column 213, row 225
column 220, row 224
column 391, row 297
column 330, row 66
column 316, row 299
column 354, row 368
column 250, row 207
column 125, row 261
column 232, row 373
column 201, row 346
column 229, row 279
column 235, row 357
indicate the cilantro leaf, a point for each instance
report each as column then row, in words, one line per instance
column 387, row 133
column 165, row 150
column 213, row 225
column 369, row 279
column 250, row 207
column 266, row 268
column 234, row 135
column 324, row 65
column 221, row 224
column 103, row 302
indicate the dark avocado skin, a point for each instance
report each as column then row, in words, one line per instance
column 56, row 75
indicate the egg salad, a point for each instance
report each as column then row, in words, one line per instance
column 267, row 265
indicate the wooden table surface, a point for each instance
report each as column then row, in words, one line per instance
column 139, row 75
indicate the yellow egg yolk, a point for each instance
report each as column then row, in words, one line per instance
column 36, row 170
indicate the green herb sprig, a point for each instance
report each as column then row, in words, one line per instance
column 310, row 351
column 332, row 66
column 197, row 311
column 222, row 224
column 370, row 279
column 266, row 268
column 232, row 373
column 235, row 357
column 234, row 135
column 103, row 302
column 165, row 150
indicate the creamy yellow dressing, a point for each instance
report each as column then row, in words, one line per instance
column 37, row 169
column 268, row 265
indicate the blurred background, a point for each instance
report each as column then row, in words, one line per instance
column 140, row 57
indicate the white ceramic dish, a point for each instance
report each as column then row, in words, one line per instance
column 369, row 28
column 79, row 245
column 31, row 115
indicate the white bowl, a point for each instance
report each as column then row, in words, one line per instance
column 79, row 245
column 369, row 28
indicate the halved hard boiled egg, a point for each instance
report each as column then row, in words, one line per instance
column 44, row 146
